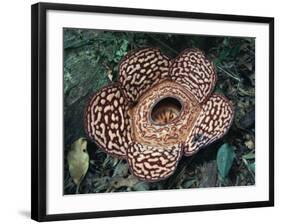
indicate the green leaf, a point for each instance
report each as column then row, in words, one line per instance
column 218, row 90
column 225, row 41
column 189, row 183
column 225, row 157
column 141, row 186
column 252, row 167
column 250, row 155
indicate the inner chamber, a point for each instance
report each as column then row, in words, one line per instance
column 165, row 110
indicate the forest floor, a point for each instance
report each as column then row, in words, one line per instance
column 91, row 61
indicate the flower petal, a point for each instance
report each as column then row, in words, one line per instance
column 107, row 122
column 195, row 72
column 142, row 69
column 151, row 163
column 212, row 123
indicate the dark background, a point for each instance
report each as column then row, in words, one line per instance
column 91, row 59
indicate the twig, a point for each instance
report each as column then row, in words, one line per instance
column 77, row 188
column 165, row 45
column 247, row 166
column 228, row 73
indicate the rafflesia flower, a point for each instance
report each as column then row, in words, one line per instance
column 158, row 110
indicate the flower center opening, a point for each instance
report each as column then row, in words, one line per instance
column 165, row 110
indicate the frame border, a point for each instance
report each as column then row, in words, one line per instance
column 38, row 110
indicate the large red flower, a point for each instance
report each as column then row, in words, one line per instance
column 158, row 110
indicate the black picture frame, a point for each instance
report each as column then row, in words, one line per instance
column 39, row 122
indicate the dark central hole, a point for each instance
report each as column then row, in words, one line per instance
column 166, row 110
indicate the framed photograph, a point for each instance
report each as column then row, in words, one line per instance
column 139, row 111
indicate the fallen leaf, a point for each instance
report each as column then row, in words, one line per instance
column 141, row 186
column 121, row 169
column 189, row 183
column 250, row 155
column 252, row 167
column 225, row 157
column 117, row 182
column 78, row 160
column 250, row 144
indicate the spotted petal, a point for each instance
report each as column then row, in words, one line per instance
column 195, row 72
column 213, row 122
column 151, row 163
column 142, row 69
column 107, row 122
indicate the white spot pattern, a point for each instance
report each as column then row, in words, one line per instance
column 142, row 69
column 107, row 121
column 153, row 163
column 212, row 123
column 195, row 72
